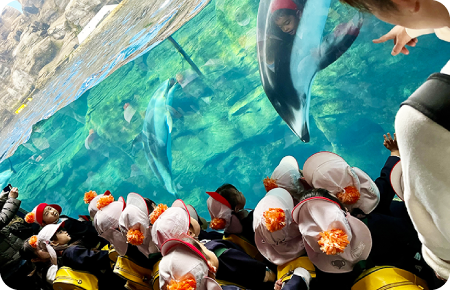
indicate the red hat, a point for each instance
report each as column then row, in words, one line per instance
column 282, row 4
column 37, row 214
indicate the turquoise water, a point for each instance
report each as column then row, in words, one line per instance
column 224, row 130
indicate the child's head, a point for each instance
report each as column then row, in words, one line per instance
column 197, row 270
column 286, row 15
column 31, row 252
column 233, row 196
column 44, row 214
column 415, row 14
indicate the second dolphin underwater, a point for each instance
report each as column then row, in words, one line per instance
column 156, row 135
column 289, row 88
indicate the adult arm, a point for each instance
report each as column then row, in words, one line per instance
column 9, row 209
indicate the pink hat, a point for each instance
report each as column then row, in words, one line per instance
column 351, row 241
column 396, row 178
column 45, row 238
column 194, row 265
column 92, row 208
column 283, row 245
column 106, row 222
column 286, row 175
column 353, row 187
column 172, row 224
column 222, row 214
column 282, row 4
column 37, row 214
column 135, row 224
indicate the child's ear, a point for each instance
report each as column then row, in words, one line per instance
column 54, row 244
column 212, row 268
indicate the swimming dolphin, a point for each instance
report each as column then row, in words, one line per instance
column 6, row 175
column 156, row 135
column 310, row 53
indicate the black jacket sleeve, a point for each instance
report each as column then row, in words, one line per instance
column 237, row 267
column 383, row 183
column 80, row 258
column 8, row 211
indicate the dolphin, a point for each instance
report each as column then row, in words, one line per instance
column 310, row 54
column 6, row 175
column 156, row 135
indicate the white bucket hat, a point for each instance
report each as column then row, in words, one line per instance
column 283, row 245
column 171, row 224
column 352, row 186
column 106, row 222
column 93, row 201
column 45, row 238
column 220, row 210
column 286, row 175
column 318, row 218
column 135, row 225
column 181, row 260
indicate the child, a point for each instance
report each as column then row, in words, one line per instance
column 286, row 15
column 52, row 241
column 276, row 235
column 45, row 214
column 411, row 17
column 287, row 176
column 223, row 260
column 353, row 187
column 334, row 240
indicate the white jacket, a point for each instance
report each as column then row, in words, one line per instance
column 442, row 33
column 425, row 149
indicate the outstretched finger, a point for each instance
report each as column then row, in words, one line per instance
column 384, row 38
column 395, row 137
column 390, row 137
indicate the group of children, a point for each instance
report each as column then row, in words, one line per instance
column 328, row 225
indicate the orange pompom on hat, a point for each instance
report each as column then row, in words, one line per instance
column 286, row 175
column 350, row 185
column 191, row 273
column 218, row 224
column 33, row 241
column 157, row 212
column 333, row 241
column 269, row 184
column 183, row 284
column 277, row 237
column 220, row 208
column 105, row 200
column 92, row 198
column 134, row 223
column 275, row 219
column 135, row 237
column 328, row 230
column 89, row 196
column 36, row 215
column 350, row 195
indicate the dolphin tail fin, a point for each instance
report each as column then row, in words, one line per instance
column 12, row 168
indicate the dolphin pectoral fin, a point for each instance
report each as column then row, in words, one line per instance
column 339, row 41
column 137, row 144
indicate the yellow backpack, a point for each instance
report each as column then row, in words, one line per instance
column 387, row 277
column 134, row 273
column 285, row 271
column 68, row 279
column 155, row 282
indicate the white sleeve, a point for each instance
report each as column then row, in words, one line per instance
column 413, row 33
column 304, row 274
column 51, row 274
